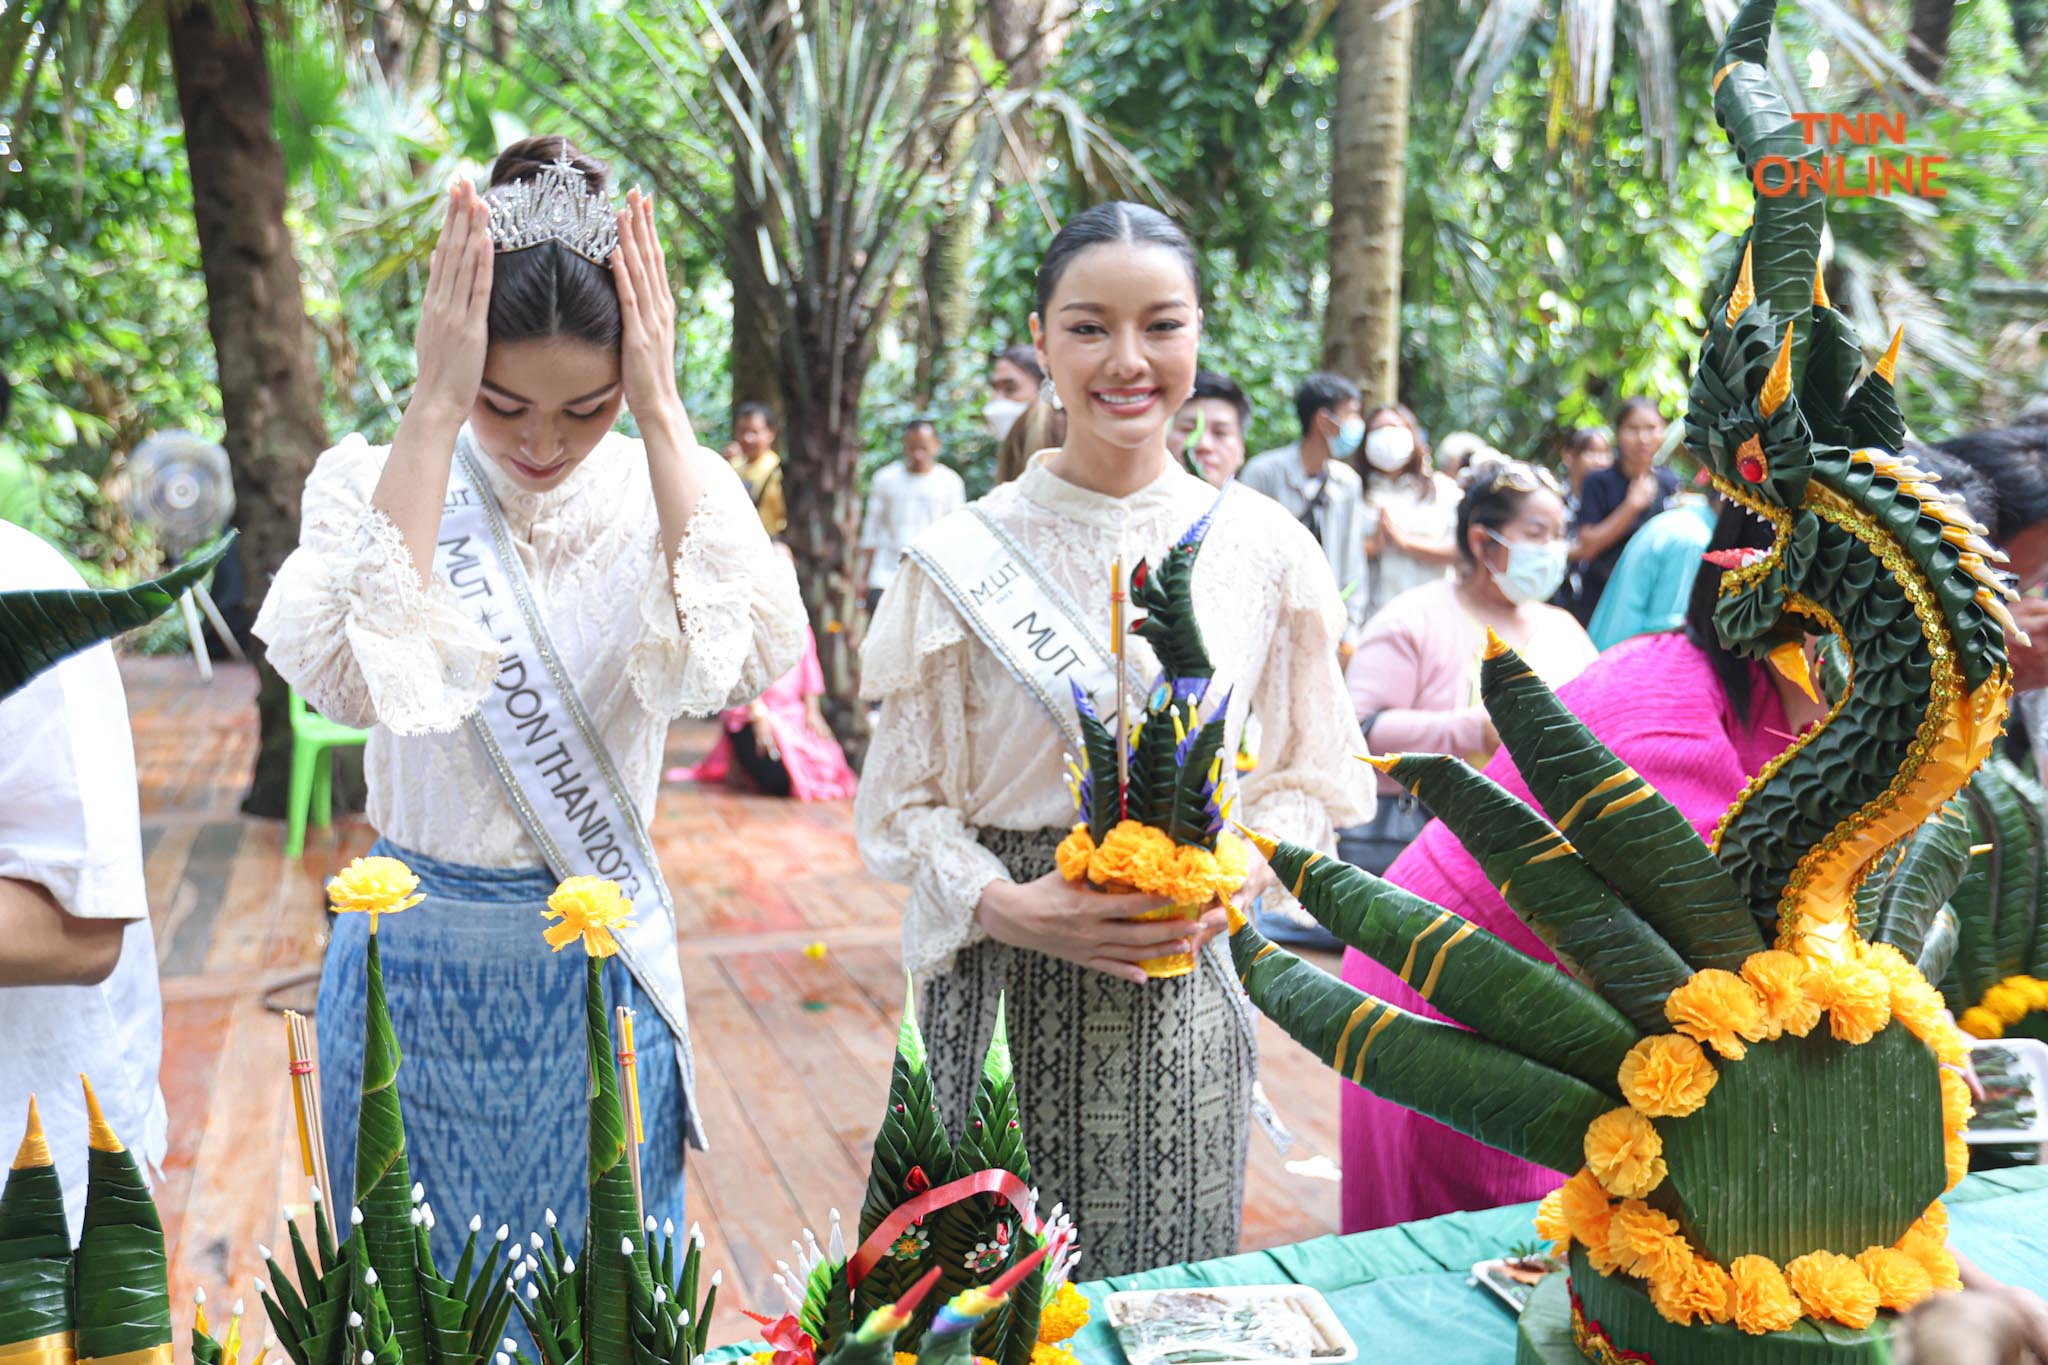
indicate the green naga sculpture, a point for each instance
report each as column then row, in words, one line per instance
column 1739, row 1059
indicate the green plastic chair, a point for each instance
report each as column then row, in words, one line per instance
column 314, row 740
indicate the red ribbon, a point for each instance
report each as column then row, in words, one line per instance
column 878, row 1242
column 301, row 1068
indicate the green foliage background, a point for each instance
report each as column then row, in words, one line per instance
column 1541, row 282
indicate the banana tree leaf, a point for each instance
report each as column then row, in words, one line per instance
column 1978, row 903
column 1099, row 796
column 2016, row 803
column 383, row 1175
column 1195, row 819
column 1594, row 934
column 1482, row 1089
column 37, row 629
column 1929, row 868
column 35, row 1245
column 1637, row 841
column 1153, row 770
column 993, row 1140
column 1936, row 952
column 1462, row 970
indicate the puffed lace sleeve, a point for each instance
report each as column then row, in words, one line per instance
column 909, row 813
column 1308, row 782
column 726, row 619
column 348, row 624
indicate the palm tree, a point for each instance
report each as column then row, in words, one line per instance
column 1368, row 157
column 263, row 346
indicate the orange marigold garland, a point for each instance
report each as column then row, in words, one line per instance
column 1900, row 1280
column 1719, row 1009
column 1625, row 1153
column 1858, row 999
column 1831, row 1286
column 1666, row 1076
column 1759, row 1297
column 1779, row 980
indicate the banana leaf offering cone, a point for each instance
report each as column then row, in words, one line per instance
column 121, row 1301
column 1151, row 804
column 35, row 1254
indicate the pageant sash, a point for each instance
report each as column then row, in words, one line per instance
column 554, row 766
column 1027, row 621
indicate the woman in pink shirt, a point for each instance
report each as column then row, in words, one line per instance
column 1692, row 719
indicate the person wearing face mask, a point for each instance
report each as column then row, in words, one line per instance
column 1411, row 510
column 1311, row 479
column 516, row 600
column 1415, row 678
column 1013, row 383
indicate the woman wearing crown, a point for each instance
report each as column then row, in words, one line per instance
column 1136, row 1093
column 517, row 600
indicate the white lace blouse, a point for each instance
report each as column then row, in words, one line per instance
column 960, row 745
column 349, row 626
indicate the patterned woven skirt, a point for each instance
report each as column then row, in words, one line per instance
column 1136, row 1100
column 494, row 1073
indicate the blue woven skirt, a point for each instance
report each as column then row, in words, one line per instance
column 494, row 1074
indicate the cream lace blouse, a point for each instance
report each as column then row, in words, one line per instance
column 959, row 743
column 349, row 626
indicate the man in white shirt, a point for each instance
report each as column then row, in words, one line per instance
column 904, row 498
column 1312, row 480
column 78, row 981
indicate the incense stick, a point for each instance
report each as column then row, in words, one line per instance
column 1116, row 649
column 629, row 1091
column 304, row 1050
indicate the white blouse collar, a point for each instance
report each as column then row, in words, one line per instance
column 523, row 507
column 1055, row 494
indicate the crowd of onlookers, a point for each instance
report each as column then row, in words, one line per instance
column 1432, row 543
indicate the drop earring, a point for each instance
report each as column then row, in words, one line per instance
column 1049, row 395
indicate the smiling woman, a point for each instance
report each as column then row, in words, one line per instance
column 1135, row 1092
column 517, row 600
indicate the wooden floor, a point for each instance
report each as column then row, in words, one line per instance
column 793, row 1049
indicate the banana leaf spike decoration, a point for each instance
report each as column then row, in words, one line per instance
column 40, row 628
column 122, row 1296
column 1997, row 978
column 35, row 1254
column 1737, row 1065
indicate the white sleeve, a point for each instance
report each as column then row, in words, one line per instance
column 348, row 624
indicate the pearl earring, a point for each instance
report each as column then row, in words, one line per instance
column 1049, row 395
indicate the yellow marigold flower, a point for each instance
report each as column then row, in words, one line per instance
column 1858, row 999
column 1645, row 1242
column 1759, row 1299
column 1779, row 980
column 1193, row 874
column 1901, row 1281
column 588, row 908
column 1934, row 1222
column 1719, row 1009
column 1587, row 1213
column 1073, row 853
column 1065, row 1315
column 1956, row 1108
column 373, row 886
column 1666, row 1076
column 1625, row 1154
column 1934, row 1257
column 1117, row 858
column 1919, row 1007
column 1830, row 1285
column 1697, row 1289
column 1233, row 863
column 2010, row 999
column 1948, row 1044
column 1979, row 1022
column 1956, row 1153
column 1047, row 1353
column 1551, row 1224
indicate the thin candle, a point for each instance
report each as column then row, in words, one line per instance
column 1116, row 648
column 629, row 1091
column 304, row 1067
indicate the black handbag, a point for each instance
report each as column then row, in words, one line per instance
column 1395, row 823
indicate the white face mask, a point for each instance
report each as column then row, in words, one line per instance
column 1534, row 572
column 1001, row 414
column 1388, row 449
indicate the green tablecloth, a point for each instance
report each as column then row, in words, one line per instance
column 1402, row 1292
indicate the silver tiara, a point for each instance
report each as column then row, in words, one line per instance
column 554, row 205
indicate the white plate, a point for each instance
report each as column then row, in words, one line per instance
column 1166, row 1326
column 2030, row 1062
column 1492, row 1276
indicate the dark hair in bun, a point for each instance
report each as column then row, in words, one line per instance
column 549, row 290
